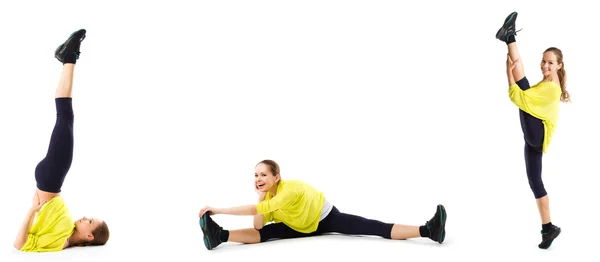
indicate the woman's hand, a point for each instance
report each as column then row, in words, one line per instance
column 210, row 210
column 261, row 195
column 510, row 65
column 36, row 205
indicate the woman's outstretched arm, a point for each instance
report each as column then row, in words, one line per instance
column 281, row 200
column 249, row 210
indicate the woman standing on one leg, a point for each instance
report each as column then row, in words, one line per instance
column 538, row 108
column 54, row 229
column 299, row 210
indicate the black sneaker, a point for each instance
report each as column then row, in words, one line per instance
column 437, row 225
column 211, row 230
column 68, row 52
column 508, row 28
column 547, row 238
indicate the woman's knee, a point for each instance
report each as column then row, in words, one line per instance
column 537, row 187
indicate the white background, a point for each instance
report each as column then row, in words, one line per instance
column 389, row 108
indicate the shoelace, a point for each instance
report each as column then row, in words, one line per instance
column 515, row 33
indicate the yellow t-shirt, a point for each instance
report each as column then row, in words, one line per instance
column 541, row 101
column 52, row 227
column 296, row 204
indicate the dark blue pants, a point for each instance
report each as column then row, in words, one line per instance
column 335, row 222
column 533, row 132
column 50, row 173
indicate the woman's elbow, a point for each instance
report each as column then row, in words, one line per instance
column 18, row 245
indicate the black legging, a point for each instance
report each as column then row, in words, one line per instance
column 533, row 132
column 335, row 222
column 51, row 171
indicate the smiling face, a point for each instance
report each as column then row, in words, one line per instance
column 264, row 179
column 550, row 64
column 85, row 226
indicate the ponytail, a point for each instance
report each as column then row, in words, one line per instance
column 562, row 75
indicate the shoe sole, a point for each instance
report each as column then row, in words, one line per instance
column 549, row 241
column 61, row 48
column 442, row 230
column 205, row 231
column 508, row 20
